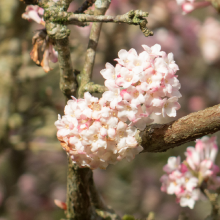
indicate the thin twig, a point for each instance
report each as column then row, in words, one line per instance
column 86, row 73
column 85, row 6
column 137, row 17
column 161, row 137
column 213, row 198
column 128, row 18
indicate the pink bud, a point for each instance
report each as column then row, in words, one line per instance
column 60, row 204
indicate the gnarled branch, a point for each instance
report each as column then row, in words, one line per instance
column 161, row 137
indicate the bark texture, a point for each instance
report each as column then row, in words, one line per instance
column 161, row 137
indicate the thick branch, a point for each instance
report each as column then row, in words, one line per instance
column 84, row 77
column 78, row 202
column 161, row 137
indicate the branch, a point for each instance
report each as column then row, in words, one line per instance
column 161, row 137
column 137, row 17
column 78, row 202
column 128, row 18
column 84, row 77
column 59, row 33
column 91, row 88
column 213, row 198
column 30, row 2
column 85, row 6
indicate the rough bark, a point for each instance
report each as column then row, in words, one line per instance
column 161, row 137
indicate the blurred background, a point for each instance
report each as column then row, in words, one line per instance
column 32, row 162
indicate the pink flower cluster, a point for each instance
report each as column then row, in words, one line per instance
column 190, row 5
column 94, row 135
column 187, row 180
column 99, row 132
column 143, row 84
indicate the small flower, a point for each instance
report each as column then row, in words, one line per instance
column 189, row 198
column 35, row 13
column 170, row 106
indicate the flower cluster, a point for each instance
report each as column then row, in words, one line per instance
column 143, row 84
column 41, row 42
column 97, row 132
column 187, row 180
column 190, row 5
column 93, row 133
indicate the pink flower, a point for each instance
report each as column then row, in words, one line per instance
column 209, row 40
column 184, row 180
column 35, row 13
column 190, row 5
column 173, row 164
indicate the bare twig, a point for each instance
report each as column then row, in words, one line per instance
column 86, row 73
column 85, row 6
column 137, row 17
column 91, row 87
column 161, row 137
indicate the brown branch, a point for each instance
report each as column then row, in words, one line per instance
column 78, row 202
column 85, row 76
column 137, row 17
column 30, row 2
column 85, row 6
column 161, row 137
column 60, row 34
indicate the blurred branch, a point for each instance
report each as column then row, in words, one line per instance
column 183, row 216
column 85, row 75
column 215, row 4
column 151, row 216
column 161, row 137
column 60, row 33
column 30, row 2
column 213, row 198
column 85, row 6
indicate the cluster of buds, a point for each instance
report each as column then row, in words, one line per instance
column 188, row 180
column 43, row 50
column 190, row 5
column 97, row 132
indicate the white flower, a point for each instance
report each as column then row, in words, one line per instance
column 170, row 107
column 190, row 198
